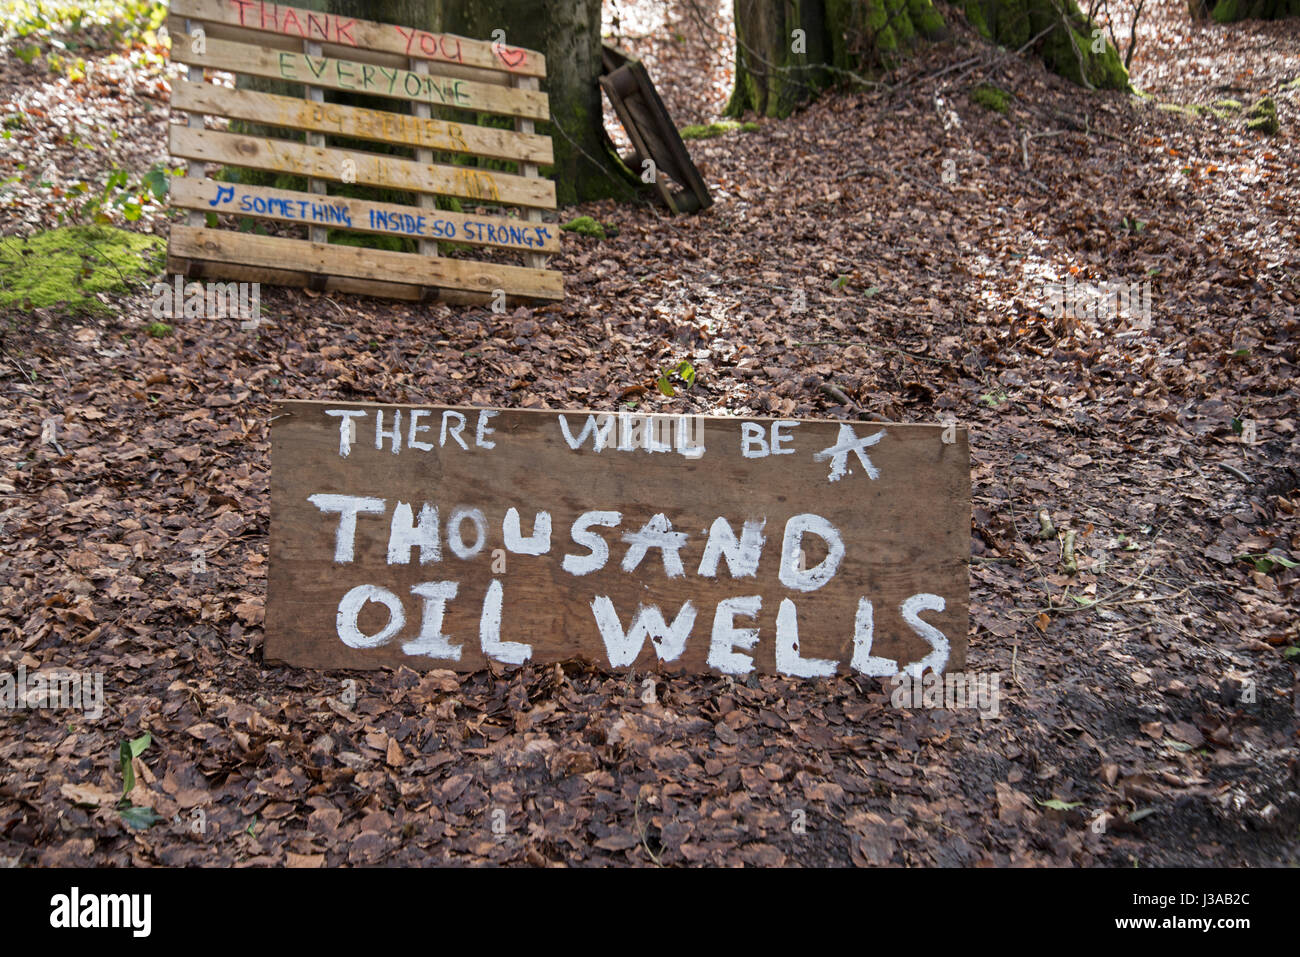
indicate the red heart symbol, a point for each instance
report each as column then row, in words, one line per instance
column 510, row 57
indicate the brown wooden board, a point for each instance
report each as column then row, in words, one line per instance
column 369, row 169
column 359, row 262
column 397, row 129
column 363, row 78
column 653, row 134
column 418, row 536
column 301, row 24
column 328, row 54
column 340, row 212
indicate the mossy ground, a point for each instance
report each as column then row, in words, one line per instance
column 70, row 265
column 991, row 97
column 1262, row 116
column 586, row 226
column 716, row 129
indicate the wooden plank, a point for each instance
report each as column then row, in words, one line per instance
column 364, row 78
column 681, row 164
column 640, row 148
column 195, row 269
column 843, row 514
column 424, row 112
column 364, row 216
column 216, row 245
column 372, row 169
column 535, row 260
column 364, row 34
column 194, row 122
column 380, row 126
column 315, row 95
column 652, row 131
column 276, row 41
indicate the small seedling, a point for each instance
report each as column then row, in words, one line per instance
column 133, row 816
column 683, row 370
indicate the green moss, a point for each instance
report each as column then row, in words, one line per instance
column 158, row 330
column 1221, row 109
column 842, row 12
column 991, row 97
column 975, row 14
column 1013, row 23
column 1227, row 11
column 70, row 265
column 585, row 226
column 928, row 20
column 1262, row 116
column 716, row 129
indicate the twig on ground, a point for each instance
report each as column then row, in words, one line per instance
column 641, row 831
column 1069, row 564
column 836, row 393
column 19, row 366
column 1237, row 472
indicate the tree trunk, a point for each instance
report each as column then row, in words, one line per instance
column 1229, row 11
column 788, row 50
column 567, row 33
column 1014, row 23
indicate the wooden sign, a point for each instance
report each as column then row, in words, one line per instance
column 450, row 537
column 653, row 134
column 439, row 78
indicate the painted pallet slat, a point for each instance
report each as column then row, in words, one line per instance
column 219, row 245
column 349, row 76
column 370, row 169
column 363, row 34
column 397, row 129
column 360, row 215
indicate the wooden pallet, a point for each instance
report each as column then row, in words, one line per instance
column 437, row 78
column 652, row 131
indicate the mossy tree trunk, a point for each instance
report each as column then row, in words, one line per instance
column 787, row 50
column 1230, row 11
column 1070, row 52
column 567, row 33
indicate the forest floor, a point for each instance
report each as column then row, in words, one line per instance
column 1156, row 685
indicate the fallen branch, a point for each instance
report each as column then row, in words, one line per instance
column 1069, row 564
column 838, row 394
column 1237, row 472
